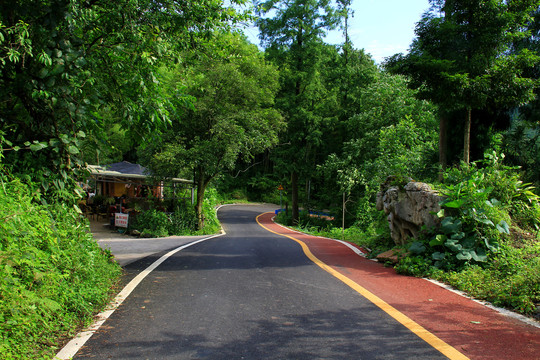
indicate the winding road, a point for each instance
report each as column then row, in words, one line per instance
column 252, row 294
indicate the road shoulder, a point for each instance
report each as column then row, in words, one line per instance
column 473, row 329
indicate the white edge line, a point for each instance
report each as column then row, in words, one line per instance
column 502, row 311
column 73, row 346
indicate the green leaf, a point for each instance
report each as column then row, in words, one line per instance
column 453, row 245
column 484, row 220
column 457, row 235
column 468, row 242
column 417, row 247
column 495, row 202
column 77, row 209
column 450, row 225
column 72, row 149
column 479, row 255
column 454, row 204
column 38, row 146
column 438, row 240
column 438, row 256
column 491, row 246
column 464, row 255
column 503, row 227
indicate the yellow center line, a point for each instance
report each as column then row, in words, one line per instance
column 403, row 319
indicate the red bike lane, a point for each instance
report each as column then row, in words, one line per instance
column 474, row 330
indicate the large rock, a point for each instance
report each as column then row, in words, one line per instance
column 408, row 208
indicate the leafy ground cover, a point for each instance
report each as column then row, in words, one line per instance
column 54, row 276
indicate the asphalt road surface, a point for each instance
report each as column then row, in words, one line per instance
column 249, row 294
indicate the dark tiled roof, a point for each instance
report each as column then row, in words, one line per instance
column 125, row 167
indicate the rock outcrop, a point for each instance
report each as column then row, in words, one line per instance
column 408, row 208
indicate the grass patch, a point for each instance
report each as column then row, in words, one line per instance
column 375, row 239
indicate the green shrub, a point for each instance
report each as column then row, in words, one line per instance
column 152, row 223
column 157, row 223
column 183, row 219
column 414, row 266
column 511, row 280
column 474, row 219
column 483, row 245
column 211, row 222
column 54, row 276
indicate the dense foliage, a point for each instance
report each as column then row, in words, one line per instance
column 54, row 276
column 180, row 220
column 488, row 240
column 232, row 115
column 169, row 85
column 461, row 59
column 78, row 82
column 72, row 69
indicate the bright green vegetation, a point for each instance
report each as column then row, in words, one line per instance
column 81, row 81
column 233, row 116
column 54, row 276
column 178, row 89
column 180, row 220
column 488, row 244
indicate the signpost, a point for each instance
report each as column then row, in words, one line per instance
column 280, row 188
column 121, row 220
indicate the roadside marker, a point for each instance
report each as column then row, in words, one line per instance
column 403, row 319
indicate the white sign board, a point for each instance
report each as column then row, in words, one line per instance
column 121, row 220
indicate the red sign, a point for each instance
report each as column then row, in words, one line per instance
column 280, row 187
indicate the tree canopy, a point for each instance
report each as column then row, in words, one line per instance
column 461, row 57
column 232, row 117
column 293, row 36
column 67, row 65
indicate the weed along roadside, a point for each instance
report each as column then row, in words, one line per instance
column 55, row 276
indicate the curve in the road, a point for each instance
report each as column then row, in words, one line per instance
column 421, row 332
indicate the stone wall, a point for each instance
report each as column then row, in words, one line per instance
column 408, row 208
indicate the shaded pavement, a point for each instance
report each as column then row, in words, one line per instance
column 128, row 249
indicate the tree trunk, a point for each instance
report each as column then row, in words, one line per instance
column 467, row 138
column 308, row 194
column 201, row 188
column 294, row 191
column 443, row 140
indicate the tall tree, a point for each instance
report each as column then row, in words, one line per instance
column 63, row 62
column 461, row 60
column 232, row 117
column 293, row 38
column 392, row 133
